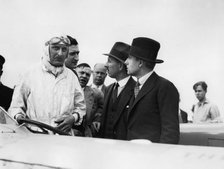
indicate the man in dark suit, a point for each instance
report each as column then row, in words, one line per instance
column 154, row 112
column 5, row 92
column 118, row 95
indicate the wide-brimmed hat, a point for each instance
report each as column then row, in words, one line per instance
column 145, row 49
column 119, row 51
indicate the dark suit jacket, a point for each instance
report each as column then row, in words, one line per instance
column 154, row 113
column 117, row 120
column 5, row 96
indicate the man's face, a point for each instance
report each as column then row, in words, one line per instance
column 112, row 67
column 84, row 74
column 99, row 74
column 132, row 64
column 200, row 93
column 73, row 57
column 58, row 53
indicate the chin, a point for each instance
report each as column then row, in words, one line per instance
column 57, row 64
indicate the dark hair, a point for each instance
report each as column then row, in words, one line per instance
column 83, row 65
column 202, row 84
column 72, row 40
column 150, row 65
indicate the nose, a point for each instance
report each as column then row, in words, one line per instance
column 60, row 51
column 106, row 65
column 197, row 93
column 126, row 62
column 84, row 75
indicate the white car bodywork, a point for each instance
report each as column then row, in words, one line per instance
column 21, row 149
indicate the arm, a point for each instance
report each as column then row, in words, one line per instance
column 168, row 100
column 21, row 93
column 215, row 114
column 79, row 104
column 67, row 121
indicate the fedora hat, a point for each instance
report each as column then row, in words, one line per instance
column 119, row 51
column 145, row 49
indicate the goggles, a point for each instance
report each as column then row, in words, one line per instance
column 58, row 40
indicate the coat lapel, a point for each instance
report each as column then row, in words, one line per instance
column 146, row 88
column 125, row 96
column 107, row 97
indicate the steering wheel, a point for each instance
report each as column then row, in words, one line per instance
column 44, row 127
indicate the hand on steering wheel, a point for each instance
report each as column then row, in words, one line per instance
column 44, row 127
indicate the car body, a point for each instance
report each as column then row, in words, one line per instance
column 19, row 148
column 202, row 134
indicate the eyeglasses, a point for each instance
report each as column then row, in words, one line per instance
column 57, row 40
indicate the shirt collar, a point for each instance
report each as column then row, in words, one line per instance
column 143, row 79
column 97, row 87
column 206, row 101
column 124, row 81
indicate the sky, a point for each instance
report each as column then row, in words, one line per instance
column 191, row 34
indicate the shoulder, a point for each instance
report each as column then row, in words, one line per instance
column 71, row 74
column 6, row 89
column 31, row 73
column 211, row 104
column 165, row 83
column 73, row 71
column 166, row 87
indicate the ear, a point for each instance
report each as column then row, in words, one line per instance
column 141, row 62
column 121, row 65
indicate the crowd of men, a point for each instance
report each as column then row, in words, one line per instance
column 140, row 104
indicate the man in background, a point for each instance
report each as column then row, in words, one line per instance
column 119, row 94
column 204, row 111
column 5, row 91
column 93, row 99
column 99, row 76
column 73, row 54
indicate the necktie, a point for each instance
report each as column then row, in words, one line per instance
column 137, row 88
column 115, row 90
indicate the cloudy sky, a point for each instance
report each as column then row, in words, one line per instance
column 191, row 34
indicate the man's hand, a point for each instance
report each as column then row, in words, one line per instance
column 96, row 126
column 65, row 123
